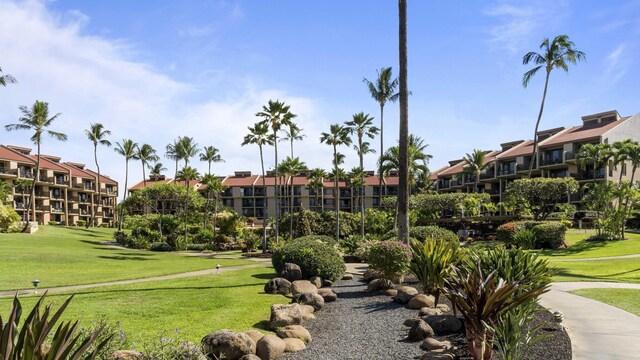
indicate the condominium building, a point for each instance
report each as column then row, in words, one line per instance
column 65, row 192
column 555, row 157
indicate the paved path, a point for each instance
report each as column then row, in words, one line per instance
column 596, row 258
column 598, row 331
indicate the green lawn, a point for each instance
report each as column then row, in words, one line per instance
column 625, row 299
column 618, row 270
column 59, row 256
column 196, row 306
column 579, row 247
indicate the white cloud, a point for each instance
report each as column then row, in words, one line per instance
column 616, row 64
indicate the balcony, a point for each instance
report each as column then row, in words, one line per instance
column 61, row 181
column 569, row 156
column 74, row 211
column 5, row 172
column 486, row 175
column 25, row 175
column 456, row 182
column 45, row 179
column 507, row 170
column 589, row 175
column 57, row 209
column 550, row 161
column 561, row 174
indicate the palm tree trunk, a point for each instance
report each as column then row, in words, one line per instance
column 32, row 199
column 275, row 145
column 209, row 168
column 361, row 195
column 95, row 158
column 126, row 181
column 403, row 194
column 337, row 194
column 534, row 154
column 291, row 210
column 175, row 176
column 264, row 205
column 206, row 208
column 381, row 153
column 186, row 210
column 215, row 214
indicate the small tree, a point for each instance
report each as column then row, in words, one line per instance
column 539, row 196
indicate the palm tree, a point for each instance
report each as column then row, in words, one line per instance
column 37, row 119
column 146, row 154
column 23, row 185
column 259, row 135
column 187, row 174
column 187, row 148
column 127, row 149
column 338, row 135
column 476, row 164
column 97, row 135
column 6, row 79
column 293, row 133
column 316, row 183
column 356, row 178
column 211, row 155
column 622, row 149
column 213, row 186
column 361, row 126
column 5, row 190
column 595, row 155
column 556, row 54
column 172, row 152
column 156, row 170
column 383, row 90
column 276, row 115
column 403, row 173
column 292, row 167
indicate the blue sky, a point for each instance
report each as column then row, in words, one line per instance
column 155, row 70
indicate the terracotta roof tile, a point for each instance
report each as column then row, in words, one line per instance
column 12, row 155
column 582, row 132
column 240, row 180
column 48, row 164
column 103, row 179
column 77, row 172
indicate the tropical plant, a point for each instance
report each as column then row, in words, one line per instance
column 127, row 149
column 389, row 259
column 212, row 186
column 187, row 174
column 337, row 135
column 404, row 179
column 432, row 261
column 524, row 238
column 418, row 159
column 172, row 152
column 476, row 163
column 316, row 183
column 539, row 196
column 187, row 148
column 292, row 167
column 314, row 257
column 211, row 155
column 6, row 79
column 97, row 135
column 146, row 154
column 156, row 170
column 556, row 54
column 293, row 133
column 36, row 119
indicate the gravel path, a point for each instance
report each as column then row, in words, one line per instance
column 360, row 325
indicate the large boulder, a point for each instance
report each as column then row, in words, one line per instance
column 307, row 312
column 379, row 284
column 309, row 298
column 421, row 300
column 278, row 286
column 427, row 311
column 285, row 314
column 391, row 292
column 126, row 355
column 370, row 275
column 317, row 281
column 443, row 307
column 302, row 286
column 296, row 332
column 445, row 324
column 420, row 330
column 255, row 335
column 230, row 344
column 328, row 295
column 291, row 272
column 407, row 290
column 294, row 345
column 270, row 347
column 327, row 283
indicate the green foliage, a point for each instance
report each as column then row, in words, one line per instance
column 538, row 196
column 504, row 232
column 377, row 221
column 389, row 258
column 433, row 206
column 230, row 223
column 8, row 217
column 109, row 340
column 33, row 341
column 315, row 258
column 351, row 244
column 423, row 232
column 432, row 262
column 321, row 238
column 204, row 236
column 307, row 222
column 160, row 246
column 524, row 238
column 166, row 347
column 81, row 223
column 512, row 337
column 549, row 235
column 252, row 241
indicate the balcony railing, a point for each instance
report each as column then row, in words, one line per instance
column 485, row 175
column 510, row 170
column 589, row 175
column 555, row 160
column 4, row 170
column 569, row 155
column 456, row 182
column 26, row 175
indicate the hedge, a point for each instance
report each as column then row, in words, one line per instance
column 550, row 235
column 422, row 232
column 314, row 258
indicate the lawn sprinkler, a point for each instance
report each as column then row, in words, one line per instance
column 35, row 283
column 217, row 268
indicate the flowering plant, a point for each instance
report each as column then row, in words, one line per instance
column 389, row 258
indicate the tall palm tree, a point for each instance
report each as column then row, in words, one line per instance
column 292, row 167
column 156, row 170
column 146, row 154
column 476, row 164
column 211, row 155
column 187, row 148
column 212, row 187
column 293, row 133
column 276, row 114
column 356, row 179
column 259, row 135
column 6, row 79
column 316, row 183
column 555, row 55
column 127, row 149
column 36, row 119
column 403, row 173
column 622, row 149
column 172, row 152
column 337, row 135
column 97, row 135
column 187, row 174
column 383, row 89
column 362, row 125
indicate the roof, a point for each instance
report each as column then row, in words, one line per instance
column 47, row 164
column 332, row 184
column 372, row 180
column 582, row 132
column 239, row 180
column 392, row 180
column 455, row 169
column 103, row 179
column 523, row 148
column 12, row 155
column 77, row 172
column 150, row 182
column 298, row 180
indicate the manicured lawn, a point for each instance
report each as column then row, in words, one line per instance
column 579, row 247
column 625, row 299
column 196, row 306
column 618, row 270
column 59, row 256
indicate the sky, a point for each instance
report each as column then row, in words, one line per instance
column 153, row 70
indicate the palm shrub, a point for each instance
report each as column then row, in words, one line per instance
column 524, row 238
column 431, row 263
column 33, row 341
column 390, row 259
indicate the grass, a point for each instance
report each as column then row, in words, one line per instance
column 60, row 256
column 625, row 299
column 196, row 306
column 618, row 270
column 579, row 247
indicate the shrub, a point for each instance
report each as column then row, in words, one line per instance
column 550, row 235
column 362, row 252
column 121, row 237
column 104, row 225
column 504, row 232
column 321, row 238
column 179, row 242
column 524, row 238
column 251, row 241
column 81, row 223
column 314, row 258
column 423, row 232
column 203, row 236
column 222, row 239
column 136, row 242
column 8, row 217
column 160, row 246
column 350, row 244
column 432, row 262
column 377, row 221
column 389, row 258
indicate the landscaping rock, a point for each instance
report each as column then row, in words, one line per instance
column 444, row 307
column 296, row 332
column 407, row 290
column 437, row 355
column 327, row 294
column 250, row 357
column 410, row 321
column 291, row 272
column 347, row 277
column 285, row 314
column 230, row 344
column 255, row 335
column 309, row 298
column 433, row 344
column 278, row 286
column 270, row 347
column 421, row 300
column 126, row 355
column 328, row 283
column 302, row 286
column 445, row 324
column 379, row 284
column 427, row 311
column 420, row 330
column 317, row 281
column 391, row 292
column 402, row 298
column 369, row 275
column 294, row 345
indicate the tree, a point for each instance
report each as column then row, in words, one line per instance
column 172, row 153
column 259, row 135
column 418, row 160
column 211, row 155
column 213, row 186
column 539, row 196
column 97, row 135
column 276, row 115
column 187, row 148
column 362, row 125
column 403, row 173
column 5, row 190
column 127, row 149
column 292, row 167
column 476, row 164
column 146, row 154
column 6, row 79
column 338, row 135
column 187, row 174
column 316, row 183
column 555, row 55
column 293, row 133
column 36, row 119
column 595, row 155
column 156, row 170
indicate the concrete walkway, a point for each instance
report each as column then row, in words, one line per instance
column 598, row 331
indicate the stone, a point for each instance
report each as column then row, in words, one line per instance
column 294, row 345
column 291, row 272
column 437, row 355
column 420, row 330
column 270, row 347
column 328, row 283
column 410, row 321
column 313, row 299
column 443, row 307
column 230, row 344
column 307, row 312
column 407, row 290
column 421, row 300
column 433, row 344
column 302, row 286
column 370, row 275
column 255, row 335
column 317, row 281
column 285, row 314
column 250, row 357
column 402, row 298
column 278, row 286
column 445, row 324
column 427, row 311
column 347, row 277
column 379, row 284
column 391, row 292
column 126, row 355
column 296, row 332
column 328, row 295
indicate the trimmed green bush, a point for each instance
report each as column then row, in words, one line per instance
column 322, row 238
column 550, row 235
column 81, row 223
column 314, row 258
column 160, row 246
column 423, row 232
